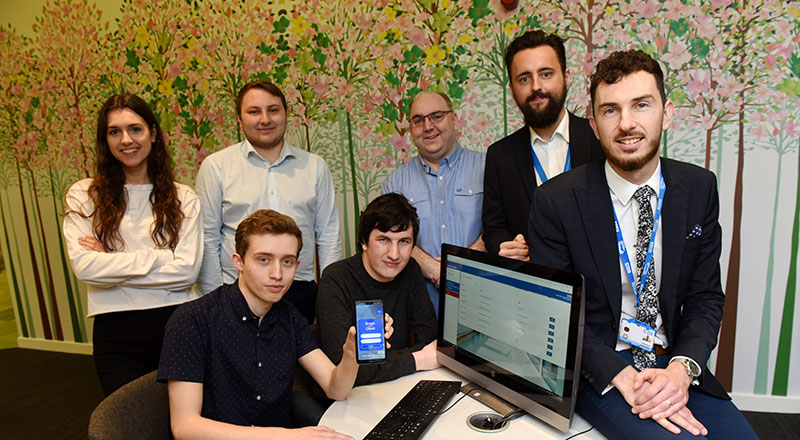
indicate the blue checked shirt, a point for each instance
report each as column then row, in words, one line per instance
column 448, row 202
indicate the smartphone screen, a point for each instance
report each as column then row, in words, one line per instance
column 370, row 344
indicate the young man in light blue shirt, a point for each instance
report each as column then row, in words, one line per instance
column 444, row 183
column 266, row 172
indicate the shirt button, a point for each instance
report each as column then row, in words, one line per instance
column 259, row 365
column 470, row 191
column 441, row 202
column 258, row 397
column 244, row 318
column 443, row 226
column 441, row 177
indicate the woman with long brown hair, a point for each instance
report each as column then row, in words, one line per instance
column 134, row 236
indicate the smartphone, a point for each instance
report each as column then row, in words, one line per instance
column 370, row 343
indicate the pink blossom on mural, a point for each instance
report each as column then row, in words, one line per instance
column 417, row 36
column 758, row 132
column 588, row 66
column 387, row 162
column 677, row 55
column 716, row 59
column 728, row 86
column 675, row 10
column 661, row 43
column 649, row 8
column 321, row 86
column 705, row 26
column 791, row 127
column 399, row 142
column 32, row 139
column 762, row 93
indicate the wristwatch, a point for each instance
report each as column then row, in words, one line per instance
column 691, row 368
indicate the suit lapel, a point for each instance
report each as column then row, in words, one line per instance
column 674, row 219
column 579, row 151
column 524, row 159
column 594, row 204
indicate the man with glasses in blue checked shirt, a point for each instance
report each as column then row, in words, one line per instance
column 444, row 182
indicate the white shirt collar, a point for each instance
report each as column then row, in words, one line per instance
column 624, row 190
column 285, row 151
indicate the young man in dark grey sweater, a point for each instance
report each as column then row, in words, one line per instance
column 383, row 269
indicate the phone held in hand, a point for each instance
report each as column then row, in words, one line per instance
column 370, row 342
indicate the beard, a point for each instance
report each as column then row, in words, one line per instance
column 546, row 116
column 633, row 163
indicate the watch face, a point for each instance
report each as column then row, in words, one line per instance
column 691, row 368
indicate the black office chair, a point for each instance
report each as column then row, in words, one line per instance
column 138, row 410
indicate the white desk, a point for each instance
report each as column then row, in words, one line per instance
column 367, row 405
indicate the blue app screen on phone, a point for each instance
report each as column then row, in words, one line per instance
column 369, row 323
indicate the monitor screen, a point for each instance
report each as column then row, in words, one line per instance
column 514, row 328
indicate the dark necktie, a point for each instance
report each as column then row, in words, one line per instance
column 648, row 298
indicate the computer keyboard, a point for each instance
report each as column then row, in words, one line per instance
column 412, row 415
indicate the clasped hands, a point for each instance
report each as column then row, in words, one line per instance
column 660, row 394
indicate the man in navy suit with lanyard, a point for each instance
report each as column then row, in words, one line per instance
column 552, row 141
column 644, row 232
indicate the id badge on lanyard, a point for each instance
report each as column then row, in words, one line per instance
column 632, row 331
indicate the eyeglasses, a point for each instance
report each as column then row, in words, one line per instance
column 419, row 121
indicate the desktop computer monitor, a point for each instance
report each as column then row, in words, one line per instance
column 514, row 328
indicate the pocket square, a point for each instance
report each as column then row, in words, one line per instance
column 696, row 231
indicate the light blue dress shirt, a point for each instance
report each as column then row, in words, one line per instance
column 235, row 182
column 448, row 202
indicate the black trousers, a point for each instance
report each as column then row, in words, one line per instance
column 303, row 294
column 127, row 344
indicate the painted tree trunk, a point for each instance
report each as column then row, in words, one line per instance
column 48, row 332
column 727, row 335
column 76, row 318
column 762, row 359
column 23, row 324
column 351, row 152
column 780, row 381
column 46, row 256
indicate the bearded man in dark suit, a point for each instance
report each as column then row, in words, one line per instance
column 551, row 142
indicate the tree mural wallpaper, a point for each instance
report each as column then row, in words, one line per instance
column 349, row 70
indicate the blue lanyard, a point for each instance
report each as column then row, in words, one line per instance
column 623, row 251
column 538, row 165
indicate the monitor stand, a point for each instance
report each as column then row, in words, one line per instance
column 487, row 398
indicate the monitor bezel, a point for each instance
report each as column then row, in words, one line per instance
column 554, row 410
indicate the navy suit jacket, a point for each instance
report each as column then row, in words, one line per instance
column 509, row 180
column 572, row 228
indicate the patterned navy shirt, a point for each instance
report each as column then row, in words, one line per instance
column 246, row 369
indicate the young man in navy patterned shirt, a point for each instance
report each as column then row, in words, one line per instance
column 229, row 357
